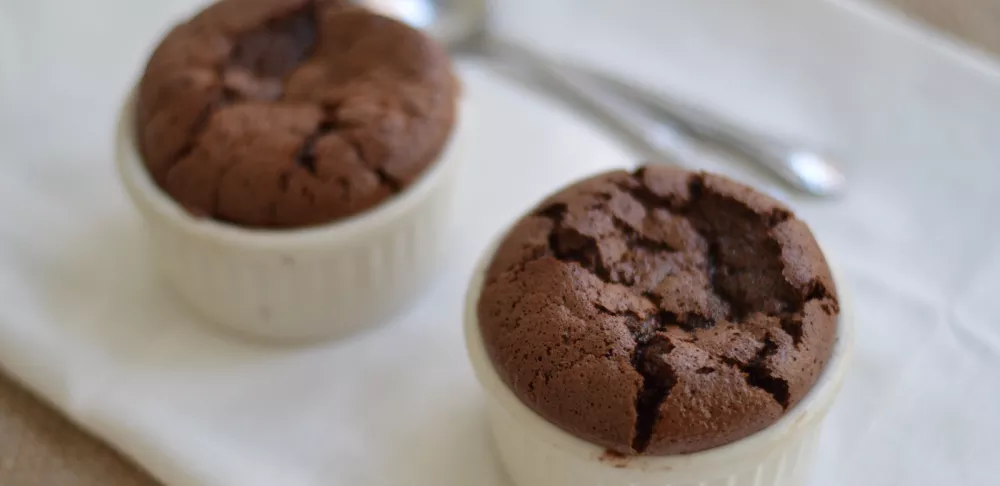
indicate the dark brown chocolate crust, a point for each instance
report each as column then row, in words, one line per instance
column 659, row 312
column 291, row 113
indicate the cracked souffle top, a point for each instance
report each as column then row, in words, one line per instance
column 290, row 113
column 659, row 312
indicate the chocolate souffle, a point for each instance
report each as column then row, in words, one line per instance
column 292, row 113
column 659, row 312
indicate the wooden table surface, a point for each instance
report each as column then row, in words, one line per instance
column 974, row 21
column 40, row 448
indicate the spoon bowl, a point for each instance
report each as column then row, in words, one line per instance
column 454, row 23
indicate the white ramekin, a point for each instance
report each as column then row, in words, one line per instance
column 537, row 453
column 296, row 285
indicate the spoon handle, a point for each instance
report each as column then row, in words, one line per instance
column 651, row 138
column 666, row 135
column 806, row 169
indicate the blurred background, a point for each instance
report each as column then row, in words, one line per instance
column 974, row 21
column 909, row 90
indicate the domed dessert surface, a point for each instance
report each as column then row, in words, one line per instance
column 292, row 113
column 659, row 312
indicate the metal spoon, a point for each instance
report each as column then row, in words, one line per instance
column 463, row 25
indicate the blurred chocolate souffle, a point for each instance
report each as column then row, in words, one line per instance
column 292, row 113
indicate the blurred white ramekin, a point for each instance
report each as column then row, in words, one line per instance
column 537, row 453
column 296, row 285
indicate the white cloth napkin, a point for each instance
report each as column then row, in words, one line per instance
column 86, row 324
